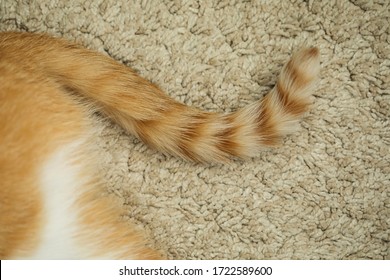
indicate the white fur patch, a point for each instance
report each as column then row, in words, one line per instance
column 60, row 184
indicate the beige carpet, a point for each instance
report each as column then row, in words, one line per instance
column 323, row 195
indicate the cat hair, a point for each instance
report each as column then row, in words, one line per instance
column 50, row 202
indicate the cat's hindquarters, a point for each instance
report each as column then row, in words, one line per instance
column 51, row 200
column 48, row 90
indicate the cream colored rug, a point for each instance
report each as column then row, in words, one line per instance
column 325, row 194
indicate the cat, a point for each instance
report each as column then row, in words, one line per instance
column 50, row 203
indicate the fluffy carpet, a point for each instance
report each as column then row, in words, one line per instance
column 324, row 194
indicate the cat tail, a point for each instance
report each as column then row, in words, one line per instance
column 196, row 135
column 143, row 109
column 205, row 136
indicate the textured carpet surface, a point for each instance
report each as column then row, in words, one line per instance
column 323, row 194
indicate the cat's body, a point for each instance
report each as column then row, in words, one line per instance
column 50, row 203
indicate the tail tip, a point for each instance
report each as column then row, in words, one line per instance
column 308, row 61
column 313, row 52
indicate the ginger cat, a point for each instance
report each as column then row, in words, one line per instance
column 49, row 200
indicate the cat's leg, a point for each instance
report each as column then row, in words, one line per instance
column 80, row 222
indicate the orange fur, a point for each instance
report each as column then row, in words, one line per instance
column 48, row 89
